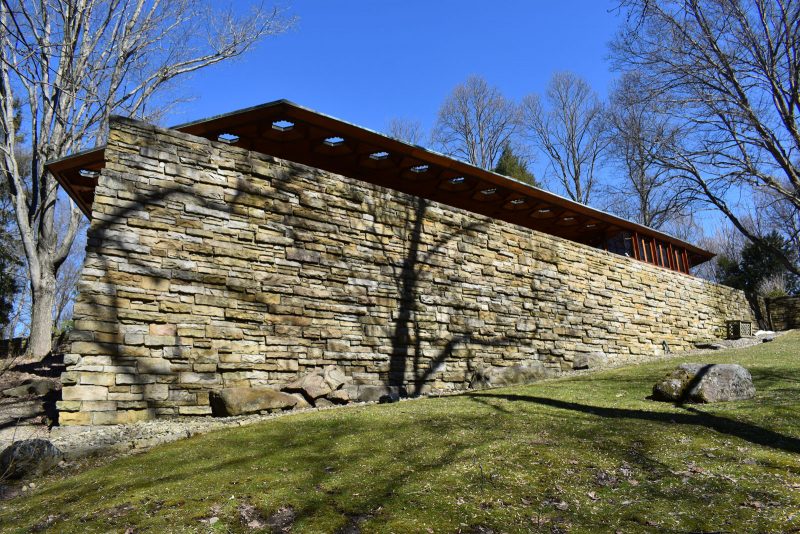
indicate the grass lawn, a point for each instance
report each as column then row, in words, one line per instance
column 583, row 454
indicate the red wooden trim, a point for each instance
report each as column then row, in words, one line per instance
column 671, row 257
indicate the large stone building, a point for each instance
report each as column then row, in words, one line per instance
column 248, row 248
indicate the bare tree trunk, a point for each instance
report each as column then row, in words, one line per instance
column 570, row 132
column 66, row 67
column 43, row 291
column 475, row 122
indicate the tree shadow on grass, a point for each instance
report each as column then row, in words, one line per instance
column 742, row 430
column 315, row 465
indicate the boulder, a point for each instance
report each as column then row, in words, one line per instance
column 322, row 402
column 339, row 396
column 28, row 457
column 312, row 385
column 334, row 377
column 590, row 360
column 389, row 398
column 302, row 403
column 32, row 387
column 700, row 382
column 374, row 393
column 509, row 376
column 240, row 401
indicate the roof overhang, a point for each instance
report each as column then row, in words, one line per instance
column 285, row 130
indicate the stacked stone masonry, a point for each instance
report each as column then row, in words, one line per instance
column 783, row 313
column 210, row 266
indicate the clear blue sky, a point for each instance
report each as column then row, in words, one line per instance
column 368, row 61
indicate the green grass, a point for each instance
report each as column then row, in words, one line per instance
column 583, row 454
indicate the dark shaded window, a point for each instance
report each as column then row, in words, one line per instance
column 621, row 243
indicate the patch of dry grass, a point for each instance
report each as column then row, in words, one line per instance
column 581, row 454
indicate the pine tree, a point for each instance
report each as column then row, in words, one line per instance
column 757, row 265
column 512, row 166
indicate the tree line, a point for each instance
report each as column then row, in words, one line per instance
column 702, row 119
column 703, row 116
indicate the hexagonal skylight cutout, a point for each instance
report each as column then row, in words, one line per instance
column 227, row 138
column 282, row 125
column 334, row 141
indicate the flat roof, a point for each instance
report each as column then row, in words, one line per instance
column 286, row 130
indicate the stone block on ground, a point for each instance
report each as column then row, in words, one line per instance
column 334, row 377
column 302, row 403
column 241, row 401
column 510, row 376
column 313, row 385
column 32, row 387
column 14, row 410
column 28, row 457
column 699, row 382
column 340, row 396
column 322, row 402
column 374, row 393
column 590, row 360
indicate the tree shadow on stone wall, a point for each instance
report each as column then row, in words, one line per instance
column 105, row 245
column 409, row 368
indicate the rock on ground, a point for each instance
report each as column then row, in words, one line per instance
column 375, row 393
column 591, row 360
column 32, row 387
column 321, row 387
column 510, row 376
column 312, row 385
column 240, row 401
column 699, row 382
column 28, row 457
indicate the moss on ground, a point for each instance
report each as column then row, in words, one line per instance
column 581, row 454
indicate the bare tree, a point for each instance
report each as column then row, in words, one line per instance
column 640, row 132
column 406, row 130
column 74, row 63
column 731, row 71
column 569, row 131
column 475, row 122
column 725, row 242
column 67, row 279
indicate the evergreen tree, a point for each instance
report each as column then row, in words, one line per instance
column 512, row 166
column 758, row 264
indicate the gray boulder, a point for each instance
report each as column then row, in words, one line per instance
column 509, row 376
column 699, row 382
column 322, row 402
column 312, row 385
column 374, row 393
column 28, row 457
column 340, row 396
column 590, row 360
column 32, row 387
column 240, row 401
column 334, row 377
column 302, row 403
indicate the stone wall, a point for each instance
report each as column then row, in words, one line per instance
column 783, row 313
column 211, row 266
